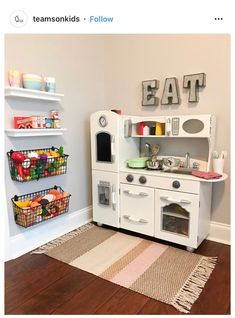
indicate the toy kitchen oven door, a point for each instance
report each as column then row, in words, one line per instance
column 177, row 217
column 104, row 126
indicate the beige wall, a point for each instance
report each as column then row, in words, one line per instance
column 103, row 72
column 130, row 59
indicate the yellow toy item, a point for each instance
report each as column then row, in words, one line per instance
column 54, row 153
column 23, row 204
column 158, row 130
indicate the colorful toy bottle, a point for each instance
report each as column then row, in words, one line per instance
column 141, row 128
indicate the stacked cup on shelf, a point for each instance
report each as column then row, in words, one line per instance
column 31, row 81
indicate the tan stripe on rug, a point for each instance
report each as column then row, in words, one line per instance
column 125, row 260
column 166, row 275
column 98, row 259
column 79, row 245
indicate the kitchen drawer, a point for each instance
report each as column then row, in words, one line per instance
column 175, row 183
column 137, row 208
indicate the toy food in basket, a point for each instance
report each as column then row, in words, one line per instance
column 39, row 206
column 27, row 165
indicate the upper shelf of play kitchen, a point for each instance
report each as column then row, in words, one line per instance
column 170, row 126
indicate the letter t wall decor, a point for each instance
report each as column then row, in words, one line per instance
column 193, row 82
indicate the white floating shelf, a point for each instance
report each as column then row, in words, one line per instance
column 34, row 132
column 32, row 94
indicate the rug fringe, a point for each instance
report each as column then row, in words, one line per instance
column 60, row 240
column 192, row 288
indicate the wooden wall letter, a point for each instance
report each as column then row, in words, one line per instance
column 149, row 89
column 193, row 82
column 170, row 93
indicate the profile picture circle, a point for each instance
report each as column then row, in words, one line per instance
column 18, row 18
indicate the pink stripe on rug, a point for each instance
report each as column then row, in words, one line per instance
column 139, row 265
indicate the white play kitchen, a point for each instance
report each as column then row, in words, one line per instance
column 138, row 188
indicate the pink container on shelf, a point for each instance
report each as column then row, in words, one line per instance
column 14, row 78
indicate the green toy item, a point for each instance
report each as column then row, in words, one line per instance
column 61, row 151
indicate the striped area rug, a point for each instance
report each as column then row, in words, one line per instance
column 167, row 274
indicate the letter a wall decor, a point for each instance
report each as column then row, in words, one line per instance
column 170, row 93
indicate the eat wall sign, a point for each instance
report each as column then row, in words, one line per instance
column 171, row 93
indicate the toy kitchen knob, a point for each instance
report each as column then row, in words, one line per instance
column 142, row 179
column 129, row 178
column 176, row 184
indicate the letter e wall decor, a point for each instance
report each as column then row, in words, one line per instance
column 149, row 89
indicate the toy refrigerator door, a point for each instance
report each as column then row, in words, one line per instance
column 105, row 140
column 105, row 194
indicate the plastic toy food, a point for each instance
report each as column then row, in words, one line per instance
column 66, row 194
column 43, row 202
column 33, row 161
column 49, row 197
column 43, row 157
column 26, row 163
column 26, row 172
column 54, row 191
column 54, row 154
column 18, row 156
column 59, row 196
column 33, row 154
column 23, row 204
column 37, row 198
column 33, row 204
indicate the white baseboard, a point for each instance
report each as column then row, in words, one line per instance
column 35, row 237
column 219, row 232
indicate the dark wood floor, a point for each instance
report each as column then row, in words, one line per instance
column 38, row 284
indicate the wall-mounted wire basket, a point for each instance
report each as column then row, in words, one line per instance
column 34, row 164
column 36, row 207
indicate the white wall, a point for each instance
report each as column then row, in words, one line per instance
column 77, row 63
column 131, row 59
column 103, row 72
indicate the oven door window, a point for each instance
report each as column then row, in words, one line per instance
column 103, row 146
column 175, row 219
column 104, row 193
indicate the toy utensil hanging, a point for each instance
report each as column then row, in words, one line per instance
column 223, row 154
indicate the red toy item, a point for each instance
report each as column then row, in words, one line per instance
column 141, row 128
column 20, row 171
column 206, row 175
column 18, row 156
column 23, row 122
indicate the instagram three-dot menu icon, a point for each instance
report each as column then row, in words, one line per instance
column 18, row 18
